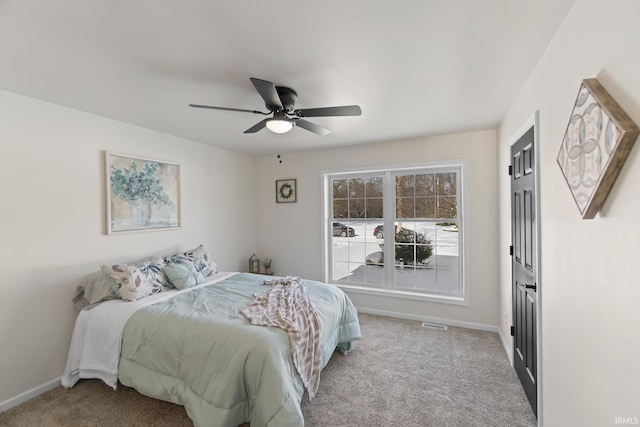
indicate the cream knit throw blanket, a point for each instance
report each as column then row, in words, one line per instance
column 287, row 306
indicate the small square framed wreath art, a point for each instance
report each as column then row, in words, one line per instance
column 286, row 191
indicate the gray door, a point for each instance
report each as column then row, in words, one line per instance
column 524, row 258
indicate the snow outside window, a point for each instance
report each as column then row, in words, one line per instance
column 397, row 230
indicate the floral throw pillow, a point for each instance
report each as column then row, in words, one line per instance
column 200, row 259
column 137, row 280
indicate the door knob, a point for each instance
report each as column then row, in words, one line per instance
column 530, row 287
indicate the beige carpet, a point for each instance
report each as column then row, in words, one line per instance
column 400, row 374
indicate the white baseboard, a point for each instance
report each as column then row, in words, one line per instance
column 449, row 322
column 507, row 347
column 30, row 394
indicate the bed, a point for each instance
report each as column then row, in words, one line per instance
column 195, row 348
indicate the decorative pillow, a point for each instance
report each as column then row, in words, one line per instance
column 156, row 269
column 183, row 274
column 92, row 289
column 137, row 280
column 200, row 259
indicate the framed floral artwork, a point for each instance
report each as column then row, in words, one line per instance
column 142, row 194
column 596, row 143
column 286, row 191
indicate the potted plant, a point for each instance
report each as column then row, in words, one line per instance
column 267, row 266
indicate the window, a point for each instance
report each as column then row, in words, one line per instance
column 421, row 255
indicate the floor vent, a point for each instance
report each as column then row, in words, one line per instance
column 434, row 326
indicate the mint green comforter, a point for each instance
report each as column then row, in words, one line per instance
column 197, row 350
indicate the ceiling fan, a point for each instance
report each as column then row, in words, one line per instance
column 280, row 101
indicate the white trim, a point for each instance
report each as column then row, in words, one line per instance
column 29, row 394
column 396, row 167
column 394, row 293
column 326, row 244
column 506, row 346
column 449, row 322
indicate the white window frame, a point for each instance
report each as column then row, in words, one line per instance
column 389, row 212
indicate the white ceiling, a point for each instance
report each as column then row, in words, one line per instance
column 416, row 67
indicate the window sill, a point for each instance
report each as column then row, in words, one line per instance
column 414, row 296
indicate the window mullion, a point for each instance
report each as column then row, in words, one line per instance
column 389, row 212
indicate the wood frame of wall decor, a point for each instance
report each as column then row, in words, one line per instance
column 596, row 143
column 286, row 191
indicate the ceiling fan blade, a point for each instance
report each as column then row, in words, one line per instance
column 347, row 110
column 257, row 127
column 268, row 92
column 312, row 127
column 226, row 109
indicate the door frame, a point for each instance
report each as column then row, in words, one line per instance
column 532, row 121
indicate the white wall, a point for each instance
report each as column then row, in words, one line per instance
column 291, row 233
column 52, row 222
column 589, row 287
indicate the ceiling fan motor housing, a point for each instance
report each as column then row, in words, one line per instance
column 288, row 98
column 281, row 101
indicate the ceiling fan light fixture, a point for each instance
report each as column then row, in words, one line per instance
column 279, row 125
column 280, row 101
